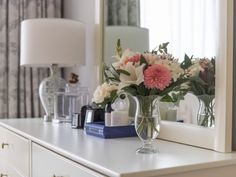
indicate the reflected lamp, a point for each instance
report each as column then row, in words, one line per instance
column 134, row 38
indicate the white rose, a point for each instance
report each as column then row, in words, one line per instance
column 136, row 75
column 102, row 92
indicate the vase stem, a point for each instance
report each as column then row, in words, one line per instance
column 147, row 148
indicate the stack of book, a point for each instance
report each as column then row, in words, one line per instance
column 98, row 129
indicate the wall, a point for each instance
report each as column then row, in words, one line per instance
column 234, row 86
column 86, row 12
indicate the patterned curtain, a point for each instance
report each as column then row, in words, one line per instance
column 19, row 85
column 122, row 12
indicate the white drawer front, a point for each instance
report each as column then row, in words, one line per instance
column 49, row 164
column 18, row 153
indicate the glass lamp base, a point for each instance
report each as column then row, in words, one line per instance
column 147, row 149
column 47, row 118
column 61, row 120
column 47, row 89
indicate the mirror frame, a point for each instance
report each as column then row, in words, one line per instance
column 220, row 137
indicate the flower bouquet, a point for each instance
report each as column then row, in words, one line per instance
column 148, row 77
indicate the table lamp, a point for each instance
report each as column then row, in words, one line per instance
column 52, row 43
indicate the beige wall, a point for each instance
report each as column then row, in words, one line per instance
column 86, row 11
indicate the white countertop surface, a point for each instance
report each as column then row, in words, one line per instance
column 117, row 157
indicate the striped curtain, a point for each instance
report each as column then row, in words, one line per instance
column 19, row 85
column 122, row 12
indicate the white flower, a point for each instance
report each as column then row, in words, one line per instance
column 123, row 60
column 173, row 66
column 102, row 92
column 151, row 58
column 136, row 75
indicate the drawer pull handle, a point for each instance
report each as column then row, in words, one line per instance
column 57, row 176
column 3, row 175
column 3, row 145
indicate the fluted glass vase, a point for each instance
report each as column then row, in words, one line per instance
column 206, row 111
column 147, row 122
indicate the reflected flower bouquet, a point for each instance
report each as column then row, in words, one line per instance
column 202, row 84
column 202, row 76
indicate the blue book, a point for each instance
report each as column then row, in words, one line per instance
column 98, row 129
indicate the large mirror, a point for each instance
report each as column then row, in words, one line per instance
column 191, row 27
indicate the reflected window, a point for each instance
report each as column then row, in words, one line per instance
column 189, row 25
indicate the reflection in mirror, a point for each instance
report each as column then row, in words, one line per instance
column 126, row 34
column 190, row 27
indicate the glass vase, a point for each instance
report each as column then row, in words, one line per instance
column 147, row 122
column 206, row 111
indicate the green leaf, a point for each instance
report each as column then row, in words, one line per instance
column 143, row 60
column 121, row 71
column 163, row 47
column 131, row 90
column 186, row 63
column 174, row 96
column 110, row 74
column 142, row 90
column 153, row 92
column 118, row 48
column 166, row 98
column 173, row 86
column 114, row 72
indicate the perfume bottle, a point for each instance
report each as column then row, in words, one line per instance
column 108, row 110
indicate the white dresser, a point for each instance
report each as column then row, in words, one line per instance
column 32, row 148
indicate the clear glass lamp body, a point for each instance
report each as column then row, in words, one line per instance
column 48, row 87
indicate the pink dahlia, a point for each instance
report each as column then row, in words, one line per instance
column 134, row 59
column 157, row 76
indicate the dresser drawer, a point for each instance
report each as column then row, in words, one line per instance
column 6, row 171
column 18, row 153
column 2, row 134
column 3, row 167
column 2, row 143
column 49, row 164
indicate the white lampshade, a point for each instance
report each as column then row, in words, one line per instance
column 52, row 41
column 134, row 38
